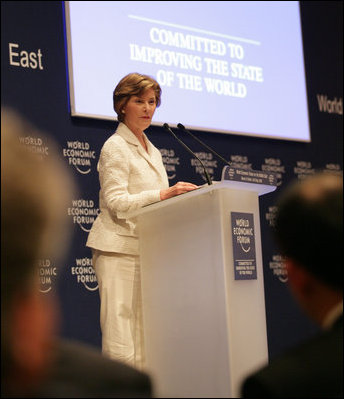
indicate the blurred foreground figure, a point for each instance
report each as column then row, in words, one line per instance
column 309, row 230
column 35, row 193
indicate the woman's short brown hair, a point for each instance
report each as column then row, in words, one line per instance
column 133, row 84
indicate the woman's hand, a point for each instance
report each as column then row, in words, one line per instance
column 179, row 188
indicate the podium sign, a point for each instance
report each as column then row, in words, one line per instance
column 244, row 249
column 249, row 176
column 203, row 290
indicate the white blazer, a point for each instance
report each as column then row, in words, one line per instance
column 130, row 178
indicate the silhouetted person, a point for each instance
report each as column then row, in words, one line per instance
column 35, row 193
column 309, row 230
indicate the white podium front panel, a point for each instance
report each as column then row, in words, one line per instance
column 204, row 330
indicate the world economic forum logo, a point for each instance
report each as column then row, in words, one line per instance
column 84, row 273
column 83, row 213
column 47, row 272
column 277, row 266
column 80, row 155
column 209, row 163
column 171, row 161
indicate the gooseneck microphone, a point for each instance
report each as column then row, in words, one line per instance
column 182, row 127
column 166, row 127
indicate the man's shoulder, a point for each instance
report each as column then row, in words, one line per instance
column 313, row 367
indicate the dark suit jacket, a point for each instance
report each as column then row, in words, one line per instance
column 313, row 369
column 81, row 371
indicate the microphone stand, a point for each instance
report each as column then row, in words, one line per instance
column 182, row 127
column 166, row 127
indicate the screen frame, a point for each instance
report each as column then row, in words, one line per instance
column 74, row 113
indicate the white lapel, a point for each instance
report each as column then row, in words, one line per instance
column 150, row 157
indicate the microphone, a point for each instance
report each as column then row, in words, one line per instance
column 182, row 127
column 166, row 127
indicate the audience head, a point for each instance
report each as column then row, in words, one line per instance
column 309, row 231
column 34, row 195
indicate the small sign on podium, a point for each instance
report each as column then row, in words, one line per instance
column 249, row 176
column 244, row 246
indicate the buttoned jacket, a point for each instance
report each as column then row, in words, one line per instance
column 130, row 177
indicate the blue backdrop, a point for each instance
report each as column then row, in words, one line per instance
column 34, row 81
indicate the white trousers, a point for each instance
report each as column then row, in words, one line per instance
column 119, row 284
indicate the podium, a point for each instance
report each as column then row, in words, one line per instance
column 203, row 290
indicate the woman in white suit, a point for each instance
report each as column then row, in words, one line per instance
column 132, row 175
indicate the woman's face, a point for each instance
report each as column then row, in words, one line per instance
column 139, row 111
